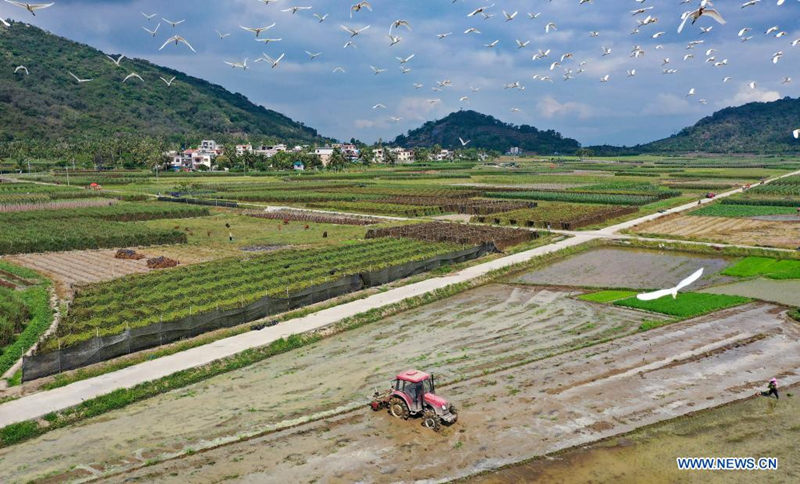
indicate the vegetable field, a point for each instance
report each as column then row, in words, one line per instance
column 578, row 197
column 561, row 215
column 458, row 233
column 313, row 217
column 146, row 299
column 764, row 266
column 379, row 208
column 687, row 304
column 729, row 210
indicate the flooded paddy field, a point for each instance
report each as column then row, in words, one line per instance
column 628, row 268
column 779, row 291
column 755, row 427
column 533, row 409
column 469, row 335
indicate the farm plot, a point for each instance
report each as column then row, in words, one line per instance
column 562, row 215
column 627, row 268
column 479, row 331
column 554, row 399
column 379, row 208
column 584, row 197
column 460, row 205
column 725, row 229
column 147, row 310
column 459, row 233
column 305, row 216
column 779, row 291
column 730, row 210
column 79, row 267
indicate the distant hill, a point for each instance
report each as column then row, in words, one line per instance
column 48, row 104
column 758, row 127
column 485, row 132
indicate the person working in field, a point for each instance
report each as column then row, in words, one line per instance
column 772, row 389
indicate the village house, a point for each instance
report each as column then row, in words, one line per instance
column 193, row 158
column 324, row 154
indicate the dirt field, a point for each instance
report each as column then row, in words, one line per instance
column 628, row 268
column 504, row 354
column 779, row 291
column 528, row 410
column 726, row 229
column 482, row 330
column 86, row 266
column 751, row 428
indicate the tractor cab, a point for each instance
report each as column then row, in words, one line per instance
column 415, row 387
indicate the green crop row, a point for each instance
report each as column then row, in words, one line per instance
column 145, row 299
column 687, row 304
column 765, row 266
column 46, row 235
column 39, row 317
column 775, row 202
column 564, row 196
column 123, row 211
column 380, row 208
column 727, row 210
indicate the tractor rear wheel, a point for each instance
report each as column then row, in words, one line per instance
column 398, row 408
column 431, row 420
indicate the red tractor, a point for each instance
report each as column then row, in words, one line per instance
column 412, row 395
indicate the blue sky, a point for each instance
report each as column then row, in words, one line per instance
column 623, row 110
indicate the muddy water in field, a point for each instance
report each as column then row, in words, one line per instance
column 529, row 410
column 482, row 330
column 757, row 427
column 779, row 291
column 628, row 268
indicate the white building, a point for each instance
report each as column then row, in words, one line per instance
column 443, row 155
column 324, row 155
column 403, row 156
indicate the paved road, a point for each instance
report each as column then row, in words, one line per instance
column 42, row 403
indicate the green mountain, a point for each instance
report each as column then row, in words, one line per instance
column 486, row 132
column 49, row 104
column 758, row 127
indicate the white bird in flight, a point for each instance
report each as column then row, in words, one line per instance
column 696, row 14
column 464, row 143
column 154, row 31
column 31, row 7
column 80, row 81
column 21, row 68
column 353, row 32
column 273, row 62
column 796, row 134
column 221, row 35
column 148, row 16
column 294, row 10
column 175, row 23
column 178, row 39
column 479, row 10
column 257, row 30
column 168, row 82
column 117, row 60
column 133, row 75
column 358, row 6
column 649, row 296
column 241, row 65
column 313, row 55
column 321, row 18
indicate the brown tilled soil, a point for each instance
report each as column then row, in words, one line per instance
column 744, row 231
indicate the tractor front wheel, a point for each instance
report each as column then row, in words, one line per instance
column 398, row 408
column 431, row 420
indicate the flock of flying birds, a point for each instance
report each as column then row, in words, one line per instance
column 705, row 15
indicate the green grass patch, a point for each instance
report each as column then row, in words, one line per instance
column 606, row 296
column 721, row 210
column 765, row 266
column 686, row 305
column 37, row 300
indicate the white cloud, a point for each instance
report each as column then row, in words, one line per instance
column 549, row 107
column 746, row 94
column 669, row 105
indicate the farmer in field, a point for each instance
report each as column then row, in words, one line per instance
column 772, row 389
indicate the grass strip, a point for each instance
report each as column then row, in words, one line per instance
column 37, row 299
column 765, row 266
column 686, row 305
column 606, row 296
